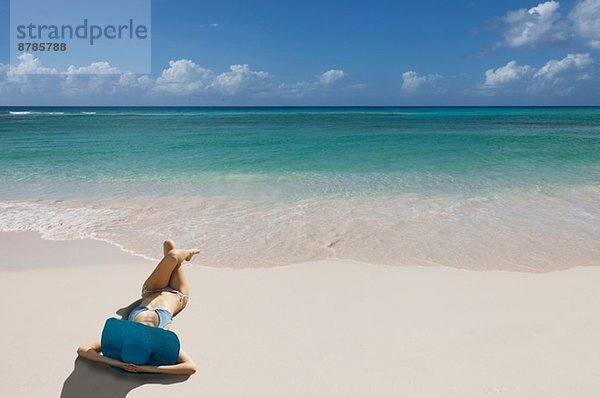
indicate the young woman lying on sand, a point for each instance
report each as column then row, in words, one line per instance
column 164, row 294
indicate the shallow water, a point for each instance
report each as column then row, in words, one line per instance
column 510, row 188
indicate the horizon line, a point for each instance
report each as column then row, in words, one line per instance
column 299, row 106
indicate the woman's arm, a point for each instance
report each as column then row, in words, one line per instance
column 91, row 352
column 184, row 366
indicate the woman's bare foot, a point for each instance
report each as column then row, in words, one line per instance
column 192, row 252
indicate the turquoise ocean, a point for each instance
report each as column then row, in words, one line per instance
column 480, row 188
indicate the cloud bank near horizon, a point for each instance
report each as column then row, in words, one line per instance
column 558, row 77
column 181, row 78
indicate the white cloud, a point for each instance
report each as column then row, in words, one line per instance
column 27, row 67
column 31, row 76
column 572, row 63
column 585, row 17
column 555, row 77
column 183, row 77
column 537, row 25
column 297, row 90
column 98, row 77
column 323, row 82
column 239, row 77
column 508, row 73
column 543, row 24
column 412, row 81
column 28, row 76
column 131, row 80
column 95, row 68
column 331, row 76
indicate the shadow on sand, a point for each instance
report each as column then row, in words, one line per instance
column 92, row 380
column 98, row 381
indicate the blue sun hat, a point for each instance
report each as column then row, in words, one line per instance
column 133, row 342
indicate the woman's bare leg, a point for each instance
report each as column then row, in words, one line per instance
column 178, row 280
column 160, row 277
column 168, row 245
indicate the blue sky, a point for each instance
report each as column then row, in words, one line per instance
column 338, row 53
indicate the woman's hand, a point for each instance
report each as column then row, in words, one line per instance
column 131, row 368
column 185, row 366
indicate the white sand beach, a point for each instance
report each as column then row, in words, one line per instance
column 321, row 329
